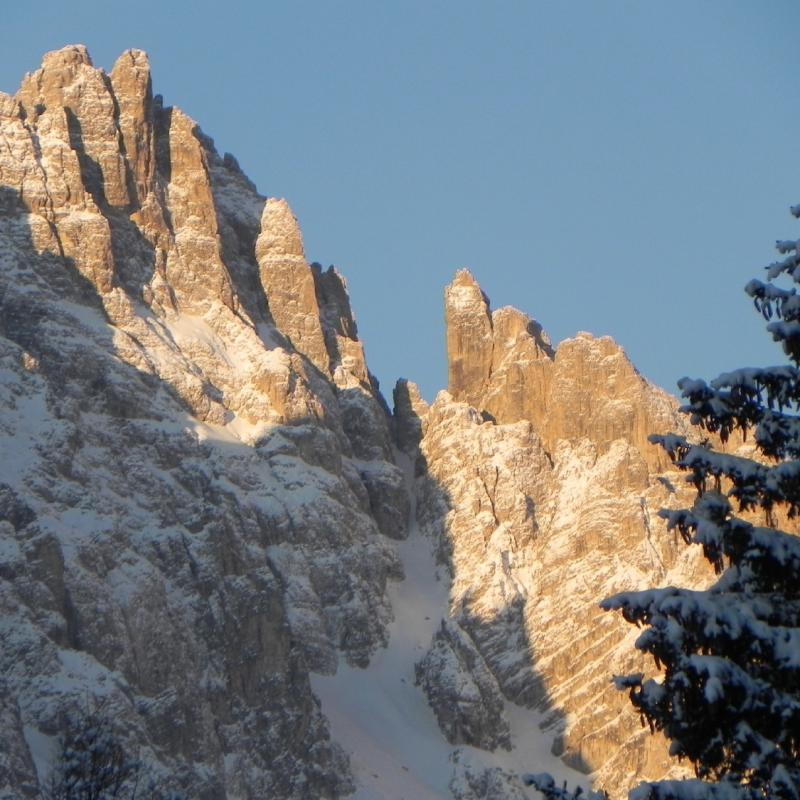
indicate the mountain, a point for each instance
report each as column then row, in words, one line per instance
column 537, row 482
column 214, row 531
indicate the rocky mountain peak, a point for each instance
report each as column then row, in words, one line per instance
column 200, row 504
column 280, row 235
column 59, row 68
column 198, row 499
column 502, row 363
column 469, row 338
column 538, row 481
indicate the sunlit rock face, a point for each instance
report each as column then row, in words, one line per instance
column 539, row 486
column 503, row 363
column 197, row 484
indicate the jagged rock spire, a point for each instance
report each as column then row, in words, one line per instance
column 131, row 83
column 469, row 338
column 280, row 235
column 288, row 282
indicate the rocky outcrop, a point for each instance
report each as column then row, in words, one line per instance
column 471, row 782
column 541, row 491
column 198, row 485
column 410, row 413
column 462, row 691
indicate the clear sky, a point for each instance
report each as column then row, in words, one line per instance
column 617, row 167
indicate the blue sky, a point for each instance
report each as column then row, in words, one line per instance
column 619, row 167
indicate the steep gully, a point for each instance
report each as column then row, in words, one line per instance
column 384, row 721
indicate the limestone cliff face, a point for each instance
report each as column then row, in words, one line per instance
column 539, row 485
column 197, row 483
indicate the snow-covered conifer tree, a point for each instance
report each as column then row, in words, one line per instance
column 729, row 696
column 92, row 764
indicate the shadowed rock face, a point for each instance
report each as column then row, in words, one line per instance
column 538, row 483
column 197, row 476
